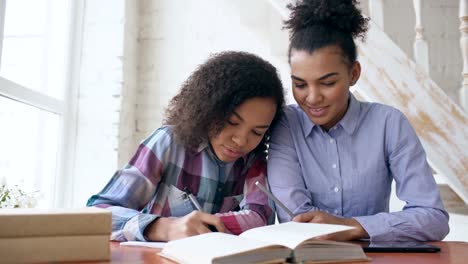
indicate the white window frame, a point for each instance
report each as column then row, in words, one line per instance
column 66, row 108
column 2, row 26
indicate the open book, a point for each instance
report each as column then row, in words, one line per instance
column 267, row 244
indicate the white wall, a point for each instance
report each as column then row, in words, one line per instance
column 177, row 35
column 127, row 122
column 99, row 98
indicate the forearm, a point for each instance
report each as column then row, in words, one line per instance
column 423, row 224
column 128, row 224
column 240, row 221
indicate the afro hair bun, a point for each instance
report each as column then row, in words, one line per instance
column 342, row 15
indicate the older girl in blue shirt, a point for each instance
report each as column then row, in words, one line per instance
column 332, row 158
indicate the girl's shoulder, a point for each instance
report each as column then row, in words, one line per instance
column 382, row 116
column 163, row 133
column 292, row 110
column 292, row 113
column 163, row 138
column 380, row 111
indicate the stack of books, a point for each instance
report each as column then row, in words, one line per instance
column 53, row 235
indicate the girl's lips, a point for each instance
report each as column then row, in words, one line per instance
column 317, row 111
column 231, row 153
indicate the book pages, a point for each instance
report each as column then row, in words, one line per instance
column 292, row 234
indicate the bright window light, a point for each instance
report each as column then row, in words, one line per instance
column 34, row 47
column 29, row 139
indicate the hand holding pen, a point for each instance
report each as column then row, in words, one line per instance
column 170, row 228
column 194, row 223
column 194, row 201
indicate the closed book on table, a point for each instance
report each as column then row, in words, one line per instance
column 54, row 249
column 50, row 235
column 291, row 242
column 30, row 222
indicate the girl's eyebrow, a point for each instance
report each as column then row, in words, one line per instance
column 320, row 79
column 328, row 75
column 297, row 78
column 242, row 119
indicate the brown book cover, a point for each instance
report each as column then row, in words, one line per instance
column 54, row 249
column 31, row 222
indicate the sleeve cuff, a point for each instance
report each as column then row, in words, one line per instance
column 135, row 227
column 376, row 226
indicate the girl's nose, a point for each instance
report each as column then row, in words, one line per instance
column 314, row 97
column 239, row 139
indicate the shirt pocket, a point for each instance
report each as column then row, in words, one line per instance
column 231, row 203
column 179, row 203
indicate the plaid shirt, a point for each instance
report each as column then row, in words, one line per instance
column 152, row 185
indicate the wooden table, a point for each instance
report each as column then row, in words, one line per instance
column 451, row 252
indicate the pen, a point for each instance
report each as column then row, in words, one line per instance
column 194, row 201
column 277, row 202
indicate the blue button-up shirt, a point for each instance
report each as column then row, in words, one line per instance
column 348, row 172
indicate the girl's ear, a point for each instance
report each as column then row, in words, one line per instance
column 355, row 72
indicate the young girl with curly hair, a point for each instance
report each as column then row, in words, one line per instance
column 213, row 146
column 332, row 158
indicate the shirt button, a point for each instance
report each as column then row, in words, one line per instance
column 334, row 166
column 332, row 140
column 336, row 189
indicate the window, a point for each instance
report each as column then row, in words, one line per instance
column 34, row 59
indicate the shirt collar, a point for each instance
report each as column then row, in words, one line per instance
column 350, row 119
column 201, row 147
column 308, row 125
column 348, row 122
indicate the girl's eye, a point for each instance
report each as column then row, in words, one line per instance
column 232, row 123
column 257, row 134
column 329, row 83
column 299, row 85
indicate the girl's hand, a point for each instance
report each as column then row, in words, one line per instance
column 195, row 223
column 324, row 218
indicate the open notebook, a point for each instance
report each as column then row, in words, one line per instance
column 268, row 244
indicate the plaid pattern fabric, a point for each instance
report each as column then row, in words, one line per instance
column 152, row 185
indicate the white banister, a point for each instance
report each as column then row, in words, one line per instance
column 376, row 12
column 421, row 50
column 463, row 14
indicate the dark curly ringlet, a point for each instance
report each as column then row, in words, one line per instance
column 212, row 92
column 314, row 24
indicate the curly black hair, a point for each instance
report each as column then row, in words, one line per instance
column 314, row 24
column 212, row 92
